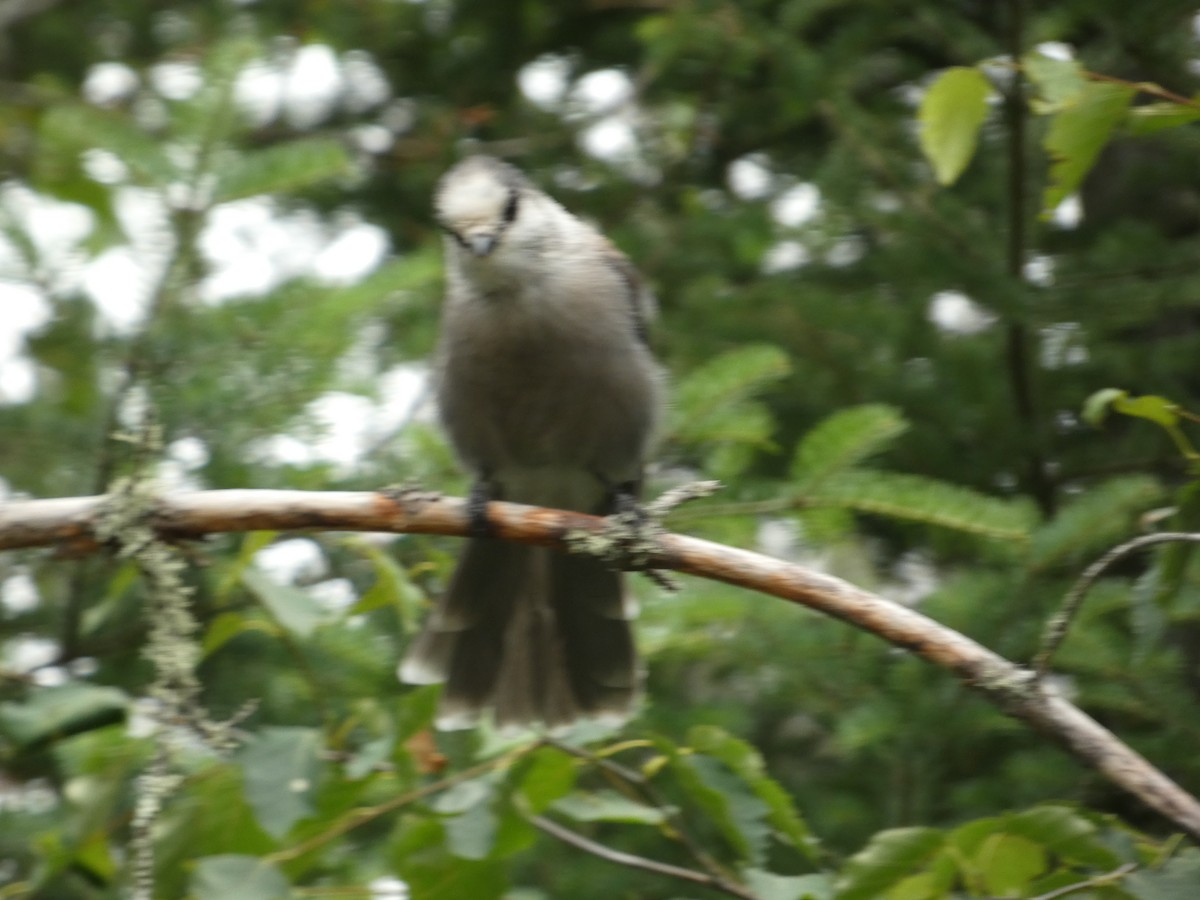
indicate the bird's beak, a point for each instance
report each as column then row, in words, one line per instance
column 482, row 244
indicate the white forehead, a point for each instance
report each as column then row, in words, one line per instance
column 475, row 190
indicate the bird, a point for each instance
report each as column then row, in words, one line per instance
column 550, row 396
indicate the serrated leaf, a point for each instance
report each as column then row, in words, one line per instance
column 890, row 857
column 845, row 439
column 918, row 499
column 282, row 168
column 951, row 114
column 1078, row 133
column 1059, row 82
column 608, row 806
column 280, row 767
column 746, row 762
column 244, row 877
column 737, row 814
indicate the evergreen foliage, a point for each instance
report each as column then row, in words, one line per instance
column 879, row 338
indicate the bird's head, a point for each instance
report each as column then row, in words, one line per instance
column 477, row 203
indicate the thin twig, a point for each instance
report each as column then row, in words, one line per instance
column 1099, row 881
column 1146, row 87
column 567, row 836
column 648, row 793
column 1058, row 626
column 364, row 814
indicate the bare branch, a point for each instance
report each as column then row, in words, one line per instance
column 1060, row 623
column 1013, row 688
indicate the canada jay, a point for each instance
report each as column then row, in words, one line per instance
column 550, row 397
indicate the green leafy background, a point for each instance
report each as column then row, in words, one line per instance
column 856, row 427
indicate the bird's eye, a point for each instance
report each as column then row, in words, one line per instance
column 510, row 208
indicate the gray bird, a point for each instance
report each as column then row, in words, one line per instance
column 551, row 397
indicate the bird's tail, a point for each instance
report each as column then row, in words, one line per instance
column 537, row 635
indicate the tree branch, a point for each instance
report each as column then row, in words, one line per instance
column 1014, row 689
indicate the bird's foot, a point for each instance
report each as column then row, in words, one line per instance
column 482, row 492
column 629, row 539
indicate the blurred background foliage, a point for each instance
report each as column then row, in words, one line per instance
column 218, row 211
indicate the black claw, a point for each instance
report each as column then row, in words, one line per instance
column 625, row 500
column 622, row 496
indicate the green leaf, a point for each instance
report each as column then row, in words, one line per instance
column 224, row 628
column 280, row 767
column 951, row 114
column 608, row 806
column 1007, row 863
column 739, row 815
column 1078, row 133
column 294, row 609
column 1158, row 410
column 392, row 588
column 472, row 833
column 1059, row 82
column 890, row 857
column 550, row 775
column 283, row 168
column 1064, row 833
column 1176, row 880
column 769, row 886
column 845, row 439
column 244, row 877
column 1153, row 117
column 745, row 761
column 1096, row 407
column 463, row 796
column 231, row 572
column 48, row 713
column 469, row 821
column 917, row 499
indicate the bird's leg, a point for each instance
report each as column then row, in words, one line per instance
column 623, row 500
column 483, row 490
